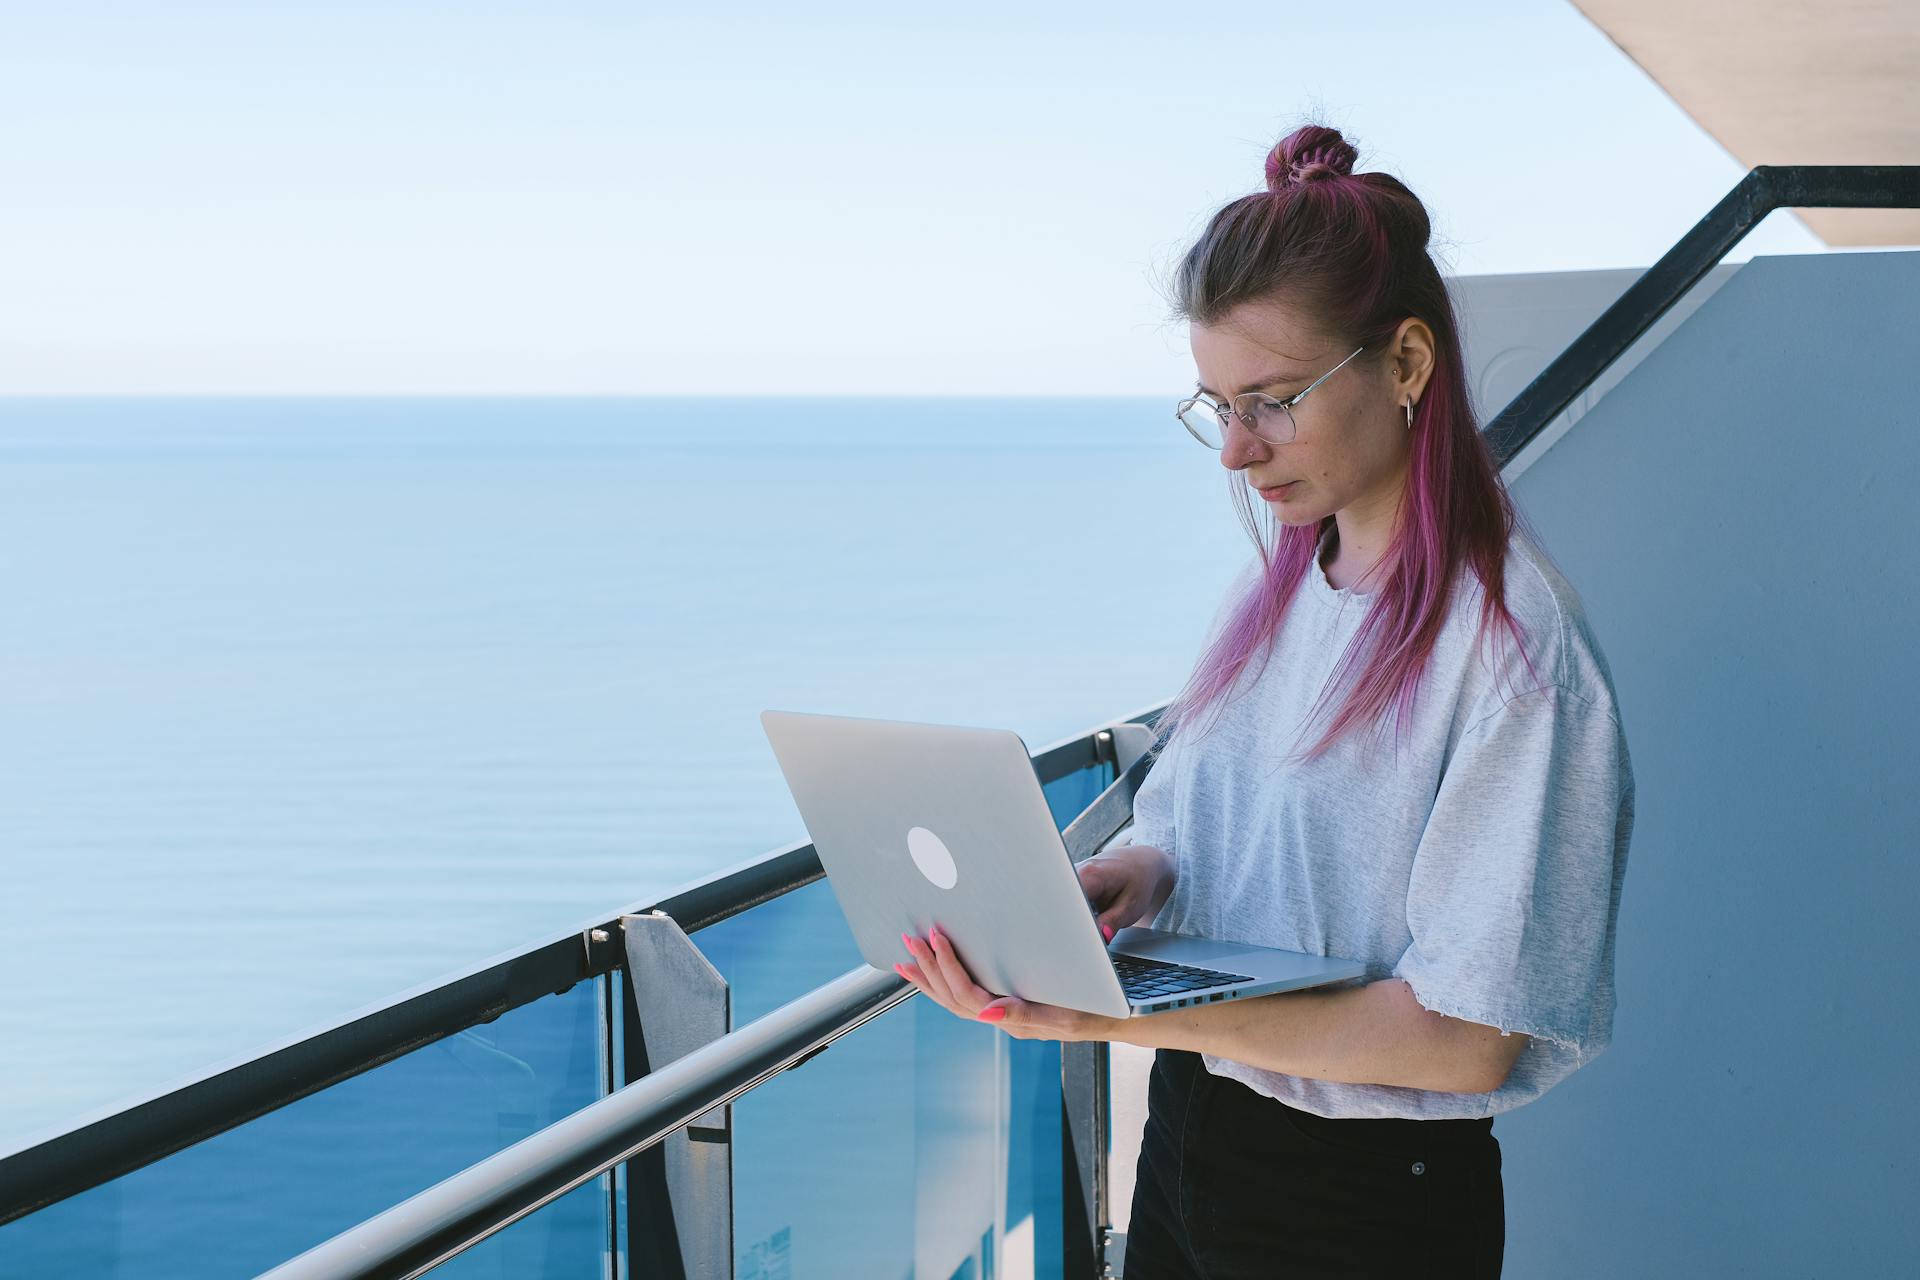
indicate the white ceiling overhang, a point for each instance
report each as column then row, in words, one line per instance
column 1775, row 82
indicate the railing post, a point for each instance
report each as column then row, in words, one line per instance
column 679, row 1190
column 1129, row 743
column 1083, row 1097
column 1084, row 1074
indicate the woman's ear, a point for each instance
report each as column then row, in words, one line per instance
column 1412, row 352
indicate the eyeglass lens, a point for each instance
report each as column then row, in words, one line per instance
column 1271, row 420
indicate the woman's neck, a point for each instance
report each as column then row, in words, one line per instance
column 1349, row 562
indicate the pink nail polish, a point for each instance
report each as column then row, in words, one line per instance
column 1106, row 931
column 992, row 1015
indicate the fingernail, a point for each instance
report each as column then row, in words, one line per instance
column 1106, row 931
column 906, row 942
column 992, row 1015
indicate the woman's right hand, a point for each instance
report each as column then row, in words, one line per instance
column 1126, row 885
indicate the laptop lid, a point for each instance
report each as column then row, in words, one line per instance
column 918, row 824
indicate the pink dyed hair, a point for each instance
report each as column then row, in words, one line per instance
column 1350, row 250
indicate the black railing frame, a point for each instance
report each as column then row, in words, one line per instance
column 96, row 1150
column 1764, row 189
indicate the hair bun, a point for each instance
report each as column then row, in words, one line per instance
column 1308, row 153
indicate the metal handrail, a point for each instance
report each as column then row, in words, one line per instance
column 458, row 1213
column 420, row 1233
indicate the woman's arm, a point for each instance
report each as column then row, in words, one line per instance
column 1372, row 1034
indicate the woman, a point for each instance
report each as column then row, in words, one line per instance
column 1474, row 861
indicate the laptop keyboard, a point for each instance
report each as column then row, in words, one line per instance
column 1145, row 979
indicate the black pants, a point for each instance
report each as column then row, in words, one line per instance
column 1234, row 1185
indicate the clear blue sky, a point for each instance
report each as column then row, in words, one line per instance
column 480, row 197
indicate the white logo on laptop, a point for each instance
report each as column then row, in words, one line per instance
column 930, row 855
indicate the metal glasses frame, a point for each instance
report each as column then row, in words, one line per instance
column 1180, row 410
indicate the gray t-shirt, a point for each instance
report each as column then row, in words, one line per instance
column 1483, row 866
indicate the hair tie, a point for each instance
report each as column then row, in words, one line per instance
column 1329, row 155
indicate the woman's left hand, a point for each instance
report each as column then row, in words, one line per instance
column 938, row 973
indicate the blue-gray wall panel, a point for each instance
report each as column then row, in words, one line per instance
column 1739, row 518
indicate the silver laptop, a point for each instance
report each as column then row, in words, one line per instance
column 923, row 824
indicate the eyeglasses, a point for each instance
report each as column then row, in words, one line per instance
column 1262, row 414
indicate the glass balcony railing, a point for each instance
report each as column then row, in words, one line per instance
column 921, row 1146
column 241, row 1202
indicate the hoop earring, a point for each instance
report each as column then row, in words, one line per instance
column 1396, row 373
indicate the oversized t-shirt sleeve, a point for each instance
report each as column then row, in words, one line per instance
column 1515, row 887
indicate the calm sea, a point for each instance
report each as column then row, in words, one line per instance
column 305, row 702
